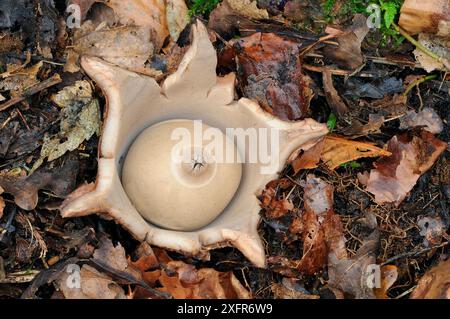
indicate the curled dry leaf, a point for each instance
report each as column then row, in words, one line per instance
column 348, row 53
column 413, row 153
column 59, row 180
column 334, row 151
column 435, row 284
column 269, row 71
column 428, row 118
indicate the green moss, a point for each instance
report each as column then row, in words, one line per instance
column 202, row 7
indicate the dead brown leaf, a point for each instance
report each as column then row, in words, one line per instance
column 288, row 289
column 351, row 276
column 413, row 153
column 183, row 281
column 334, row 151
column 334, row 100
column 59, row 180
column 427, row 117
column 348, row 53
column 269, row 71
column 274, row 207
column 358, row 129
column 435, row 284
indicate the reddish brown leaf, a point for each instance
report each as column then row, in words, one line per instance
column 269, row 71
column 412, row 155
column 274, row 207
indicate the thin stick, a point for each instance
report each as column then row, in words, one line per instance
column 419, row 81
column 55, row 79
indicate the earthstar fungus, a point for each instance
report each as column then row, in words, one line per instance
column 194, row 92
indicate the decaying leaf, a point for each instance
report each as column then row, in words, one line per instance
column 150, row 14
column 17, row 78
column 412, row 155
column 348, row 53
column 274, row 207
column 334, row 100
column 88, row 284
column 80, row 121
column 269, row 71
column 427, row 117
column 128, row 47
column 59, row 180
column 229, row 15
column 432, row 229
column 353, row 275
column 289, row 289
column 439, row 46
column 185, row 282
column 320, row 230
column 334, row 151
column 358, row 129
column 435, row 284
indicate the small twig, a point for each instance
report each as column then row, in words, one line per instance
column 55, row 79
column 413, row 253
column 419, row 81
column 419, row 45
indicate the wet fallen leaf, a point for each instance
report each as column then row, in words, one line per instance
column 59, row 180
column 269, row 71
column 427, row 118
column 334, row 151
column 335, row 102
column 376, row 89
column 435, row 284
column 413, row 153
column 80, row 120
column 348, row 53
column 389, row 276
column 352, row 275
column 17, row 78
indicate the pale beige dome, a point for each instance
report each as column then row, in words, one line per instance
column 175, row 179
